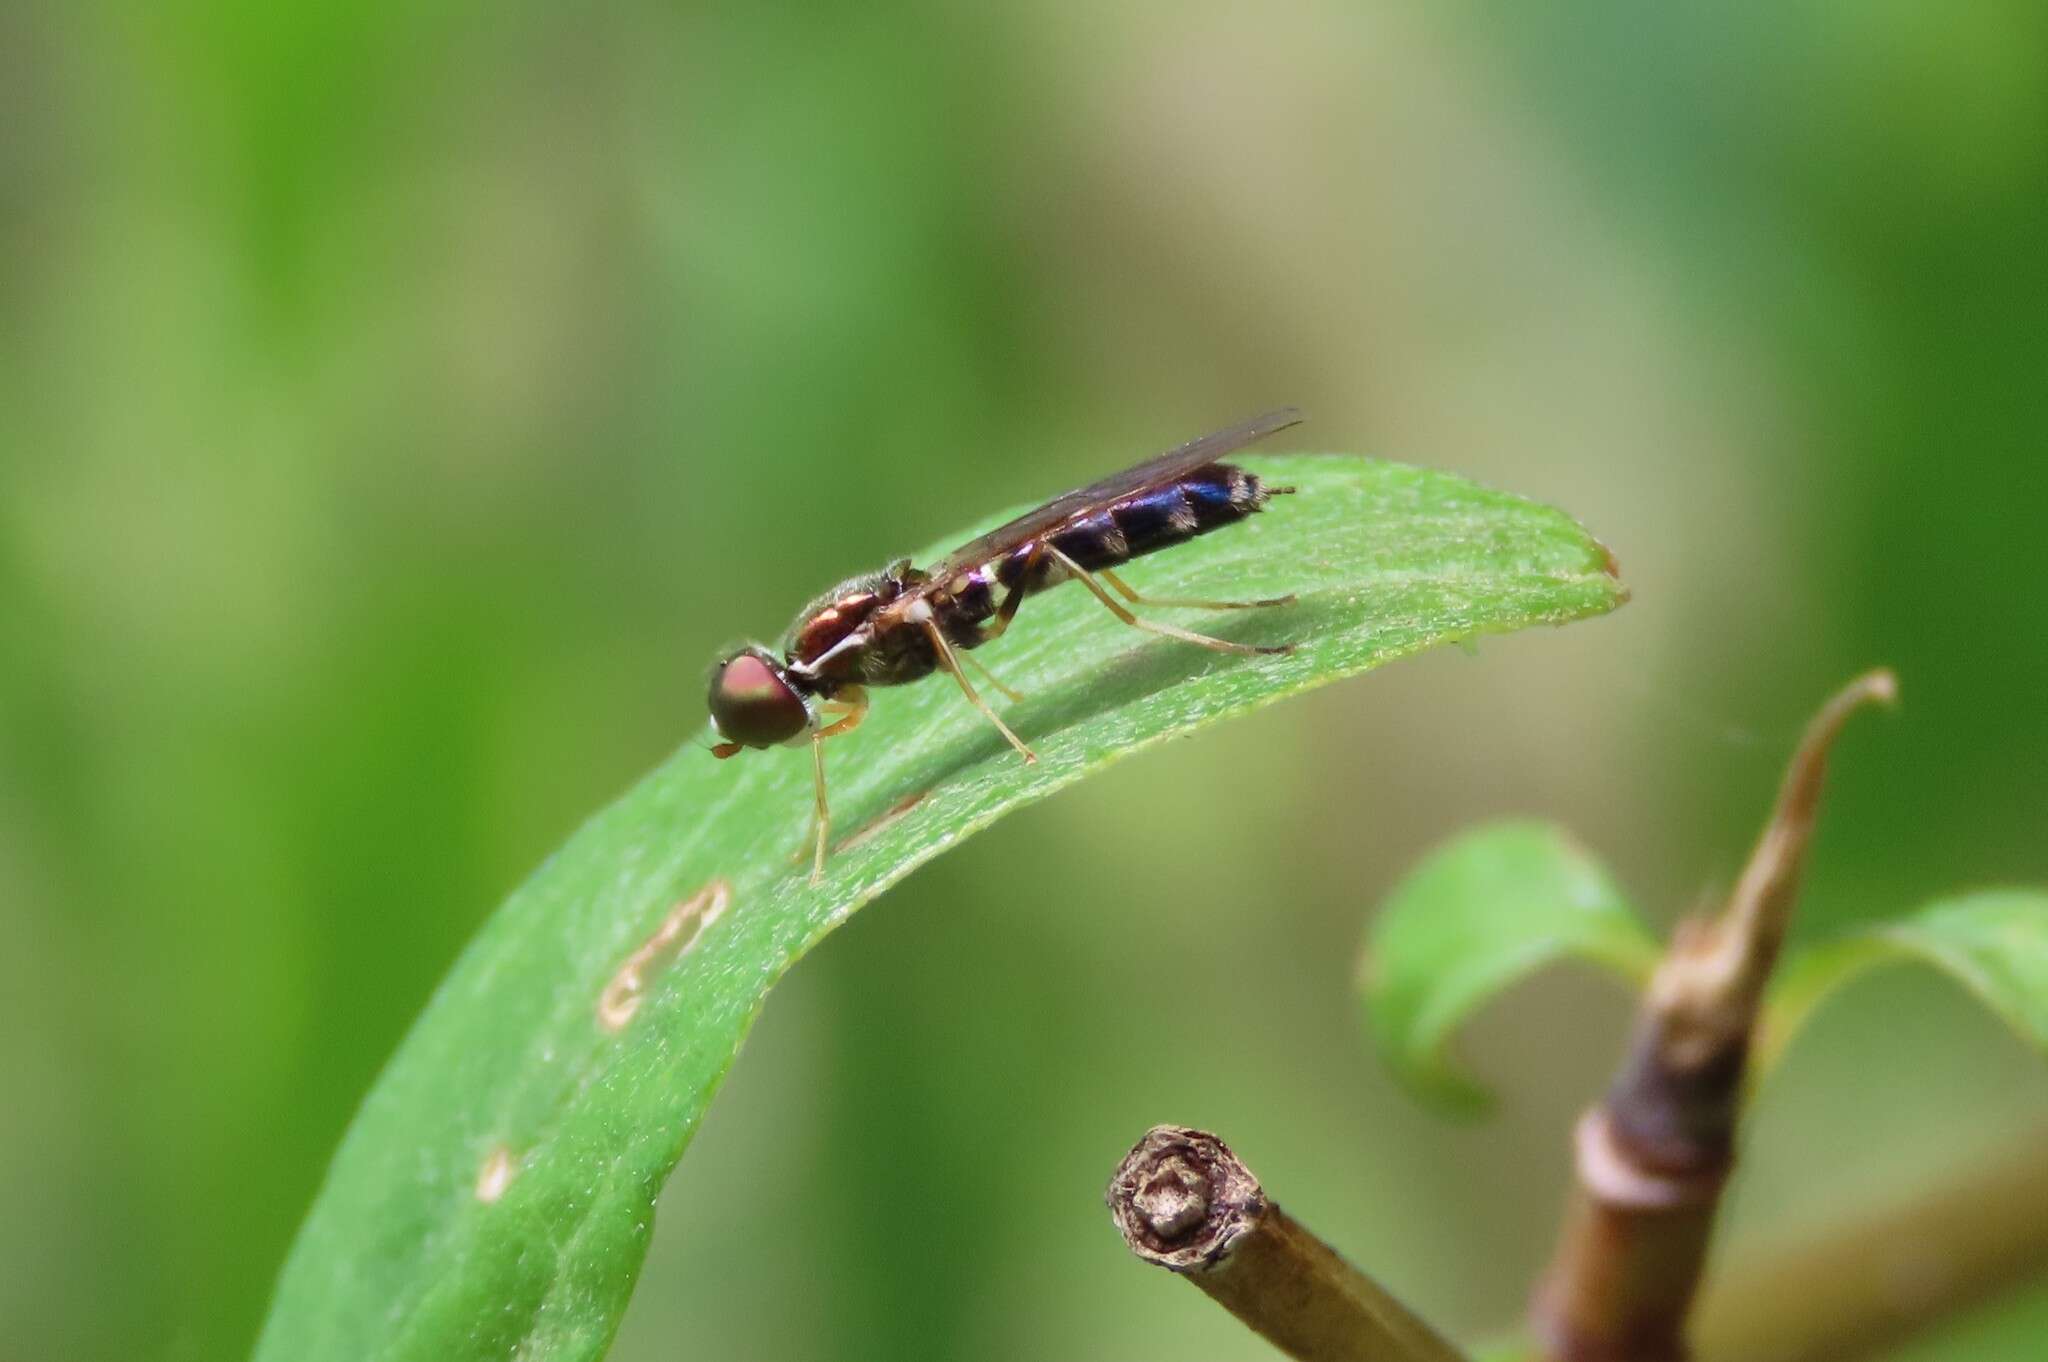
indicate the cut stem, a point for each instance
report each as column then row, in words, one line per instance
column 1184, row 1202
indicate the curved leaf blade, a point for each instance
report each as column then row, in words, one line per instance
column 494, row 1195
column 1488, row 908
column 1993, row 942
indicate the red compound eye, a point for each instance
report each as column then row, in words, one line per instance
column 753, row 703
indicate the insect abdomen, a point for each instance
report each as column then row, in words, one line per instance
column 1206, row 499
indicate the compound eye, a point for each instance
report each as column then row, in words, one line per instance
column 753, row 704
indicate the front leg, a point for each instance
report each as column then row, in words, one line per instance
column 851, row 703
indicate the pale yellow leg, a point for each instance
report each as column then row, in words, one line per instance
column 971, row 660
column 951, row 663
column 1014, row 598
column 852, row 704
column 1117, row 608
column 821, row 812
column 1130, row 593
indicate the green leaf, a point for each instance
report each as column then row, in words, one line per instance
column 1993, row 942
column 1486, row 909
column 495, row 1194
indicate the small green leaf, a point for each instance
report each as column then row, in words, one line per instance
column 495, row 1195
column 1486, row 909
column 1994, row 943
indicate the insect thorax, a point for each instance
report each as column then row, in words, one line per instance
column 833, row 617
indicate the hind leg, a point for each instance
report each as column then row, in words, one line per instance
column 1122, row 612
column 1130, row 593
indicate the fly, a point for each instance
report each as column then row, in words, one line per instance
column 902, row 624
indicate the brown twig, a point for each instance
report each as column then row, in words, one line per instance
column 1870, row 1283
column 1653, row 1157
column 1184, row 1202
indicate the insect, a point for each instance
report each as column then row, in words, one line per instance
column 902, row 624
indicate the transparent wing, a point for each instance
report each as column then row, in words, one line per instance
column 1174, row 463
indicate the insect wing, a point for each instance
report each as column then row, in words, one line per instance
column 1154, row 472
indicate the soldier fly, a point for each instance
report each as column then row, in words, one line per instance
column 902, row 624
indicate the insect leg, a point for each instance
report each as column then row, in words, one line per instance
column 1117, row 608
column 971, row 660
column 1006, row 612
column 951, row 663
column 821, row 812
column 852, row 704
column 1130, row 593
column 1014, row 597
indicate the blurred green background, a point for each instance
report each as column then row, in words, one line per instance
column 399, row 404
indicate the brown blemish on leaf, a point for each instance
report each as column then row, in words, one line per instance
column 676, row 934
column 496, row 1175
column 874, row 829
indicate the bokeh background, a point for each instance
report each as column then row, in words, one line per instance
column 400, row 402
